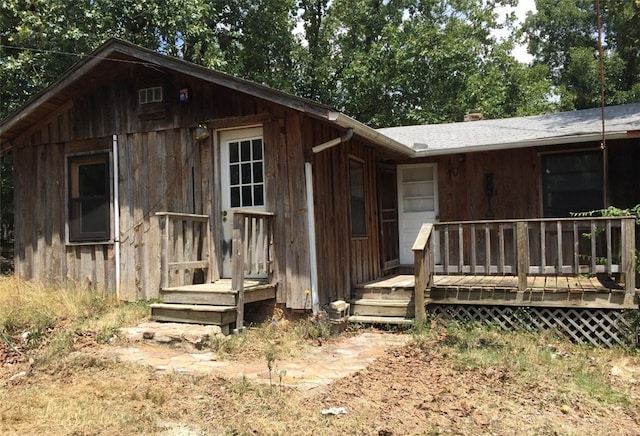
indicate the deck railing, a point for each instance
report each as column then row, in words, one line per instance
column 185, row 247
column 252, row 252
column 570, row 246
column 423, row 255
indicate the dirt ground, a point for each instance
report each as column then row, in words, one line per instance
column 410, row 389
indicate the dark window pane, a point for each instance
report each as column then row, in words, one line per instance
column 235, row 174
column 92, row 179
column 89, row 198
column 257, row 172
column 246, row 196
column 258, row 195
column 257, row 149
column 245, row 146
column 95, row 216
column 246, row 173
column 235, row 197
column 572, row 182
column 234, row 155
column 356, row 190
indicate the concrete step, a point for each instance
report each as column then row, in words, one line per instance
column 382, row 307
column 194, row 313
column 397, row 320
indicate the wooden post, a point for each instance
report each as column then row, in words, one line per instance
column 629, row 258
column 164, row 251
column 523, row 258
column 422, row 263
column 237, row 279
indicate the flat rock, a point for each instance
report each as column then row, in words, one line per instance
column 194, row 335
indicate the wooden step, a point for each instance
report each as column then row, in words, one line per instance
column 217, row 294
column 193, row 313
column 382, row 293
column 397, row 320
column 382, row 307
column 199, row 294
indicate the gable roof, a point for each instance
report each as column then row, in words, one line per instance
column 116, row 50
column 559, row 128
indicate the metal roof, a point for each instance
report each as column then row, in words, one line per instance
column 558, row 128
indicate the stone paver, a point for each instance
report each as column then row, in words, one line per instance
column 316, row 366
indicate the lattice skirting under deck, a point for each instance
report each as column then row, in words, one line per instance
column 607, row 327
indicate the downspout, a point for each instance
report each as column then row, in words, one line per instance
column 333, row 142
column 116, row 215
column 311, row 218
column 311, row 223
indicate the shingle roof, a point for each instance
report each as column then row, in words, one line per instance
column 563, row 127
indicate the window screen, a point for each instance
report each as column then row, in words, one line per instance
column 572, row 182
column 89, row 198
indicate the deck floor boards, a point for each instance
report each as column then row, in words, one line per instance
column 487, row 283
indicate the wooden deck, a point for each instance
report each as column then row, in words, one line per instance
column 547, row 291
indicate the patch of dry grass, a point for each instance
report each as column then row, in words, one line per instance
column 46, row 319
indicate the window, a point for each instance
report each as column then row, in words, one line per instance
column 572, row 182
column 356, row 193
column 89, row 198
column 246, row 173
column 150, row 95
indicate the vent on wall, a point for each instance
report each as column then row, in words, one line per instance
column 150, row 95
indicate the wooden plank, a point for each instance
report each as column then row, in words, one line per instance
column 593, row 247
column 576, row 249
column 501, row 257
column 473, row 249
column 609, row 249
column 628, row 257
column 559, row 261
column 237, row 281
column 487, row 248
column 522, row 255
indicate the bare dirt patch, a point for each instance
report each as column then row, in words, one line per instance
column 460, row 382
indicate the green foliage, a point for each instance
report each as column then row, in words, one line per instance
column 563, row 36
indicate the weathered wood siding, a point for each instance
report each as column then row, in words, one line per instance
column 461, row 184
column 342, row 260
column 163, row 168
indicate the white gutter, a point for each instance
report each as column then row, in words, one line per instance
column 311, row 223
column 333, row 142
column 370, row 134
column 116, row 215
column 556, row 140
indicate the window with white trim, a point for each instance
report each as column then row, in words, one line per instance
column 89, row 197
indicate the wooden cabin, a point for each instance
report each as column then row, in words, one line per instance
column 150, row 177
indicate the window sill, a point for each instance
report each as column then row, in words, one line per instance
column 80, row 243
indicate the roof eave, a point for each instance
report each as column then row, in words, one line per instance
column 557, row 140
column 370, row 134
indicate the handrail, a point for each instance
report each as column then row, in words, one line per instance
column 252, row 252
column 541, row 246
column 185, row 244
column 424, row 268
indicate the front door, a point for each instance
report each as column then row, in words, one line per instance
column 417, row 204
column 242, row 184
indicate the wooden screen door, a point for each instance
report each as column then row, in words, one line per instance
column 388, row 203
column 242, row 181
column 417, row 204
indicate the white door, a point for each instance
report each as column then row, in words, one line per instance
column 417, row 204
column 242, row 174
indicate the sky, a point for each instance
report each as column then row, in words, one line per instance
column 524, row 6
